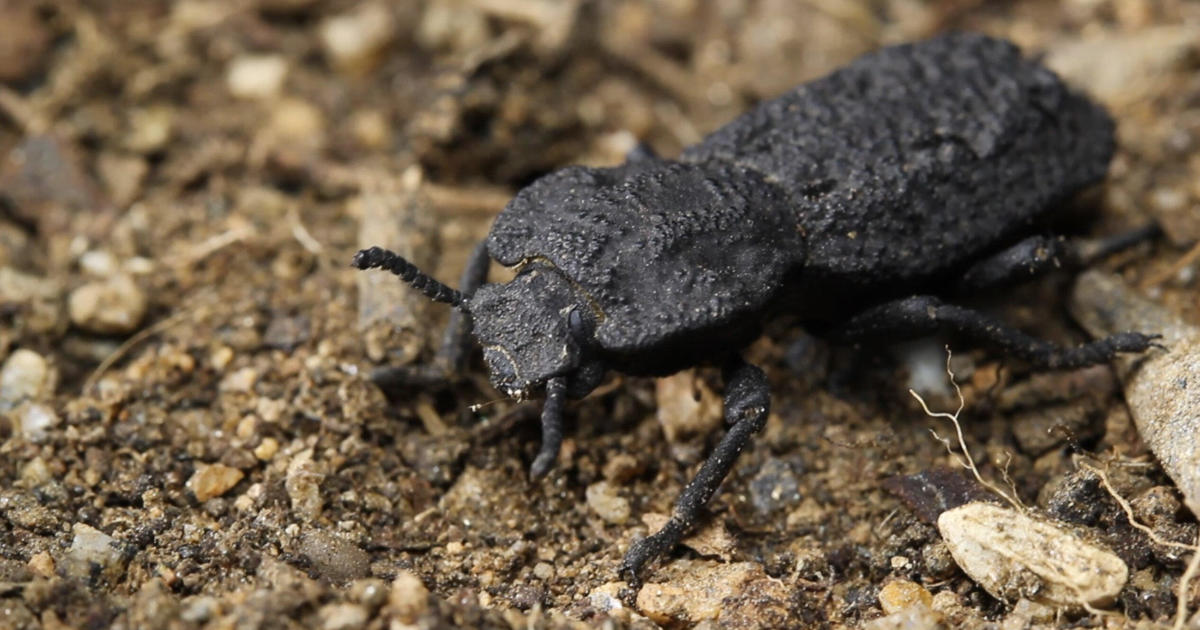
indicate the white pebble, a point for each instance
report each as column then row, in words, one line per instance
column 36, row 420
column 23, row 377
column 1012, row 555
column 109, row 307
column 605, row 502
column 98, row 263
column 256, row 76
column 354, row 40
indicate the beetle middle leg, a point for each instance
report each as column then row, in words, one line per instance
column 747, row 402
column 924, row 314
column 452, row 355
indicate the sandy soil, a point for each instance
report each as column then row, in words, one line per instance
column 188, row 436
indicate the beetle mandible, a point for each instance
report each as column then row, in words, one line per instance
column 852, row 202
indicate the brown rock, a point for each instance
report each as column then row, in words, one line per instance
column 699, row 590
column 112, row 307
column 24, row 41
column 213, row 481
column 897, row 595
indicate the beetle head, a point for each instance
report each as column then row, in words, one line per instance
column 532, row 329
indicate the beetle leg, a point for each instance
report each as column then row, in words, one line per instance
column 456, row 342
column 924, row 314
column 747, row 401
column 1039, row 254
column 552, row 430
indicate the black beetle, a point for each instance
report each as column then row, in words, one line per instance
column 849, row 202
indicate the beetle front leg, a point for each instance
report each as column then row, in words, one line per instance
column 552, row 430
column 925, row 314
column 747, row 402
column 452, row 355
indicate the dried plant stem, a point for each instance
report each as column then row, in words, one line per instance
column 968, row 462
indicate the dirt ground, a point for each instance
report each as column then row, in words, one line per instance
column 189, row 437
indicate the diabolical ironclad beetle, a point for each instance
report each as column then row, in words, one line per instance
column 849, row 202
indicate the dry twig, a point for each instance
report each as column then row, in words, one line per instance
column 969, row 461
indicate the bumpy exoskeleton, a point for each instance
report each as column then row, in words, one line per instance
column 847, row 202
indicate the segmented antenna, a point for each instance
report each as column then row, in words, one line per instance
column 379, row 258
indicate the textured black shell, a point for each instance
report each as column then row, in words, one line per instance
column 905, row 164
column 655, row 244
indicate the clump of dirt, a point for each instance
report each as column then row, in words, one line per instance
column 188, row 434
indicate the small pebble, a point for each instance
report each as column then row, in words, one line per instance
column 98, row 263
column 199, row 609
column 776, row 487
column 123, row 176
column 44, row 168
column 342, row 616
column 213, row 481
column 452, row 26
column 41, row 564
column 303, row 485
column 605, row 502
column 221, row 357
column 36, row 420
column 92, row 549
column 24, row 376
column 266, row 449
column 606, row 597
column 1010, row 555
column 370, row 592
column 699, row 591
column 355, row 40
column 543, row 570
column 242, row 380
column 371, row 129
column 296, row 122
column 149, row 129
column 24, row 41
column 898, row 595
column 911, row 618
column 1029, row 614
column 335, row 558
column 256, row 76
column 689, row 411
column 35, row 472
column 620, row 468
column 285, row 333
column 111, row 307
column 409, row 598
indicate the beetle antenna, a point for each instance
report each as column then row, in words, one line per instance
column 379, row 258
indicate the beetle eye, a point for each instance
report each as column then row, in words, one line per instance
column 579, row 325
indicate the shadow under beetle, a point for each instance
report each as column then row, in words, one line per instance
column 848, row 202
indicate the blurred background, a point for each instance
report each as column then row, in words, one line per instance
column 187, row 433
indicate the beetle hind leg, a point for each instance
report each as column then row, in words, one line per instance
column 1037, row 255
column 924, row 314
column 747, row 402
